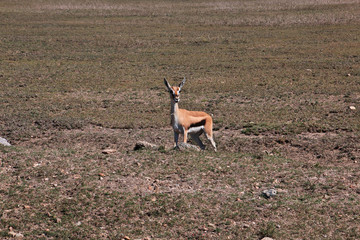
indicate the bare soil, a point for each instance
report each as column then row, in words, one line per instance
column 81, row 83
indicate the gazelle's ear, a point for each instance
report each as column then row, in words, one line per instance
column 167, row 85
column 182, row 83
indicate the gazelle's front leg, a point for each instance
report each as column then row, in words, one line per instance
column 176, row 139
column 185, row 135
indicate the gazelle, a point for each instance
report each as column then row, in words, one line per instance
column 188, row 122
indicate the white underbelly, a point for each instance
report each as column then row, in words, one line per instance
column 196, row 129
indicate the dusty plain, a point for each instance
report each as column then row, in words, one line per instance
column 280, row 77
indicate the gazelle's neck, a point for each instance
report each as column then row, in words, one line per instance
column 174, row 106
column 174, row 111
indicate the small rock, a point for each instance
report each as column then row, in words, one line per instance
column 143, row 144
column 212, row 225
column 187, row 146
column 15, row 235
column 4, row 142
column 78, row 223
column 245, row 225
column 267, row 238
column 108, row 151
column 269, row 193
column 352, row 108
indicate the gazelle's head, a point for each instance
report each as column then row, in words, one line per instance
column 175, row 90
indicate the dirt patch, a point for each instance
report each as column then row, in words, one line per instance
column 80, row 87
column 331, row 146
column 67, row 175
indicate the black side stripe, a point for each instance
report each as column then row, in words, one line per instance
column 202, row 123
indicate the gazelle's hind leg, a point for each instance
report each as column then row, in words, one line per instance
column 211, row 139
column 209, row 132
column 195, row 137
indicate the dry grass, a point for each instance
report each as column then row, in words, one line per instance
column 252, row 13
column 279, row 78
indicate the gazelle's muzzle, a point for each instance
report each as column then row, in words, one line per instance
column 175, row 97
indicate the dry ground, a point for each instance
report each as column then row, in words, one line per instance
column 62, row 186
column 279, row 78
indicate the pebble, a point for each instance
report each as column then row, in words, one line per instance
column 269, row 193
column 108, row 151
column 4, row 142
column 245, row 225
column 16, row 235
column 143, row 144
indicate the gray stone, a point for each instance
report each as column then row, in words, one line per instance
column 108, row 151
column 187, row 146
column 143, row 144
column 269, row 193
column 4, row 142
